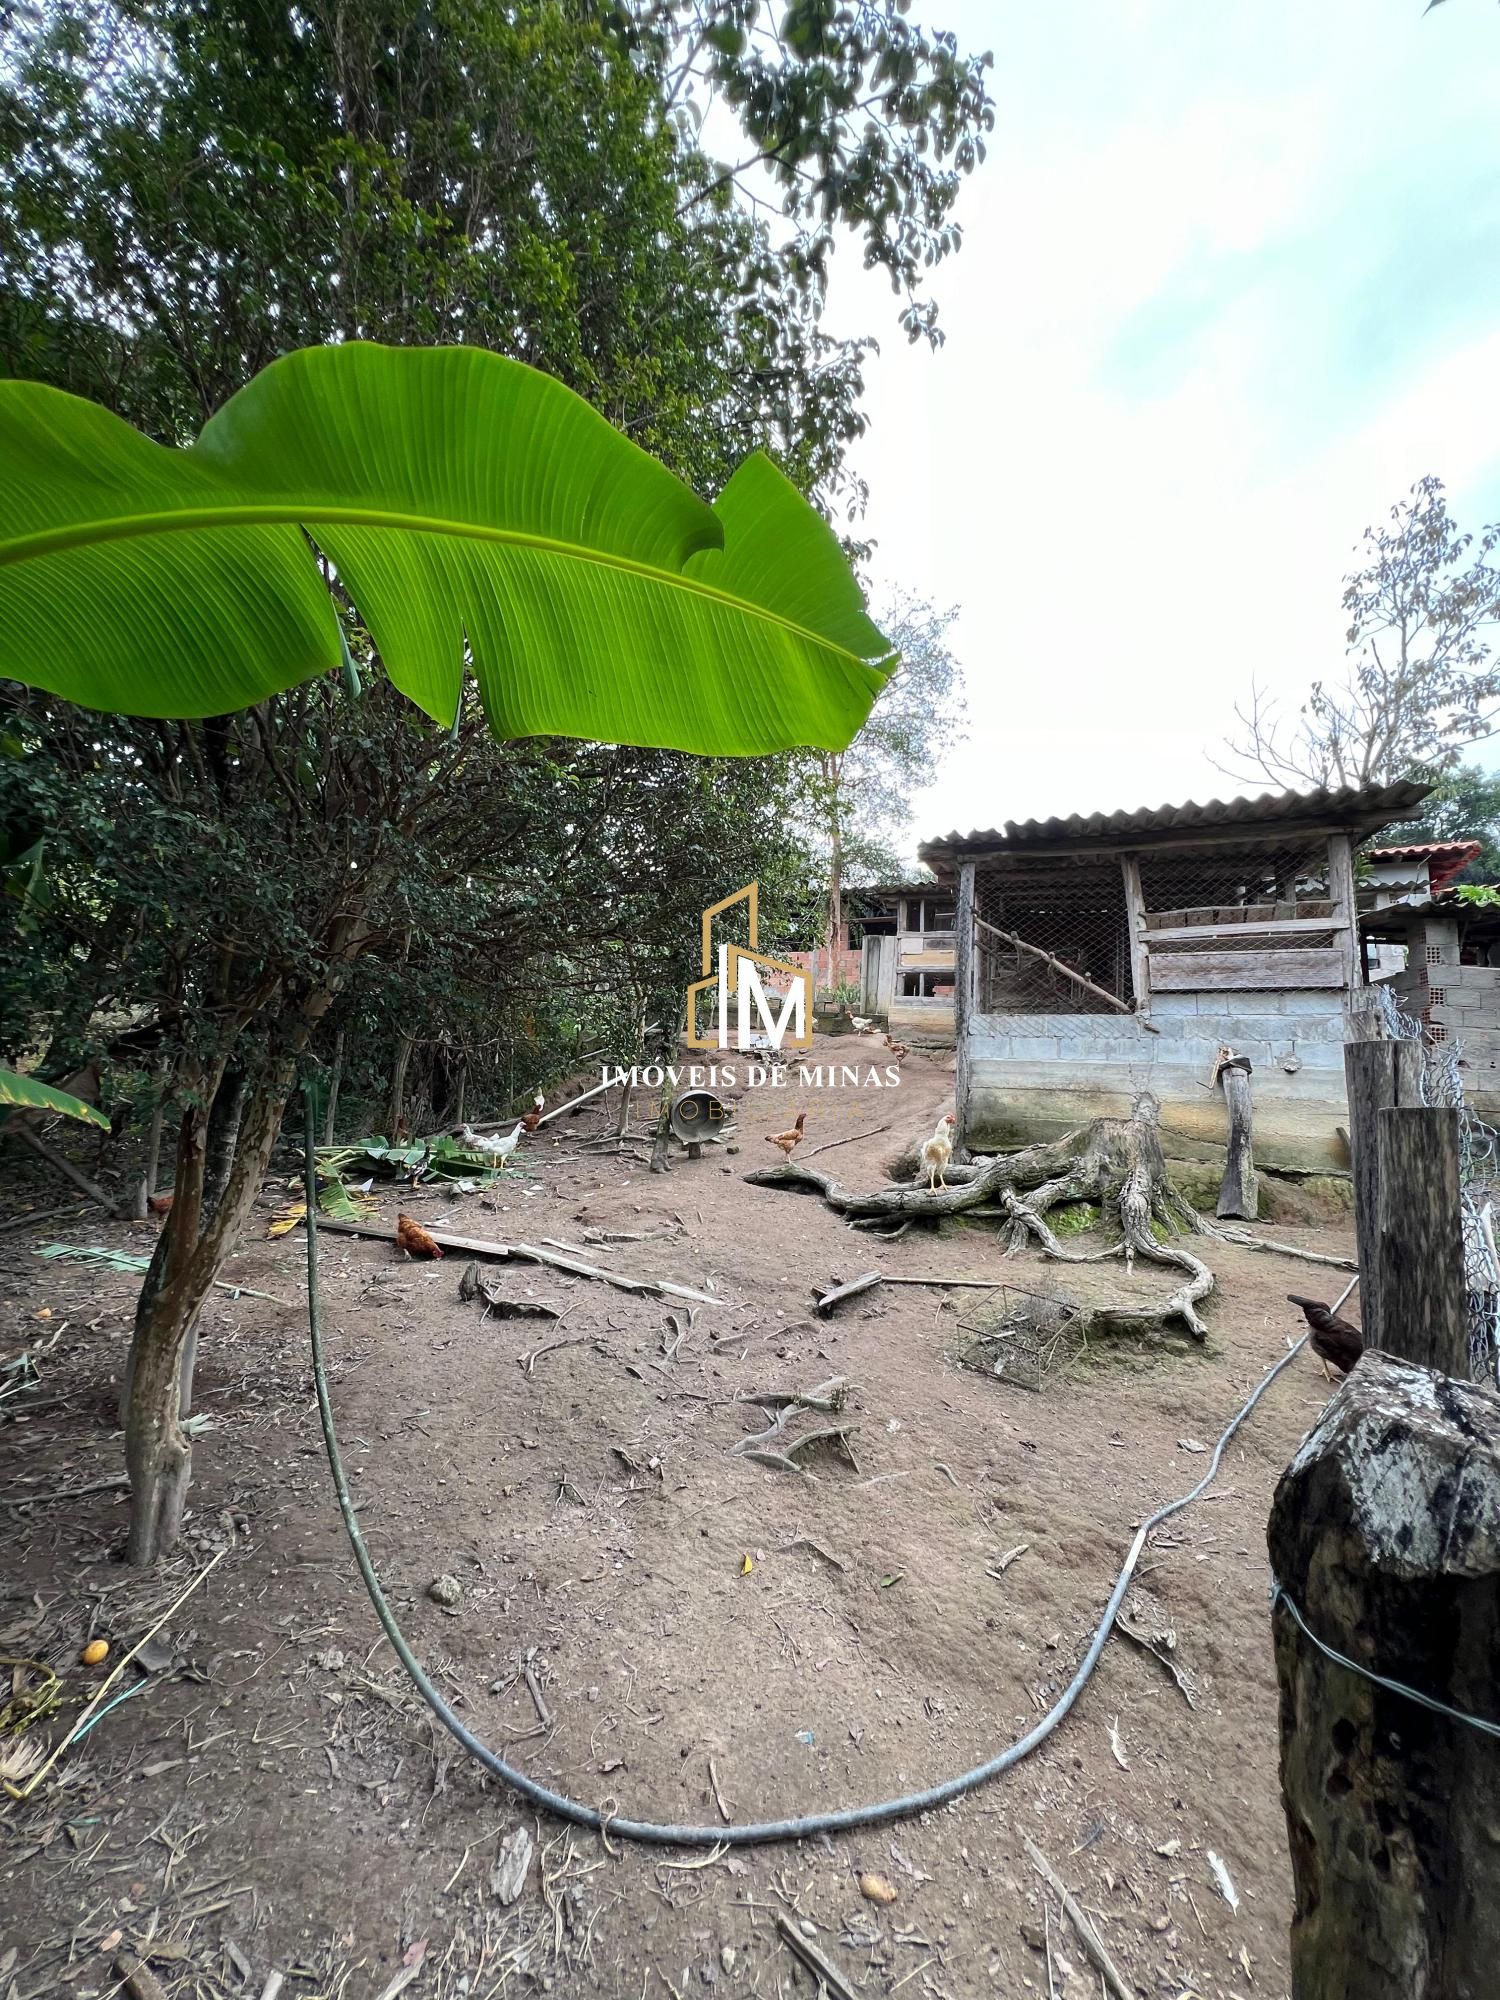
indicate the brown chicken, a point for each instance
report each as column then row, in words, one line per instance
column 159, row 1204
column 414, row 1240
column 788, row 1141
column 898, row 1049
column 533, row 1117
column 1333, row 1339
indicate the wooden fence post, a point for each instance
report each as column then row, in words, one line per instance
column 1376, row 1075
column 965, row 969
column 1385, row 1536
column 1239, row 1191
column 1420, row 1257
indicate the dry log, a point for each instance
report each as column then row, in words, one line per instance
column 1385, row 1536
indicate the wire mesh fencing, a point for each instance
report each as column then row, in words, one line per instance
column 1212, row 889
column 1478, row 1175
column 1053, row 938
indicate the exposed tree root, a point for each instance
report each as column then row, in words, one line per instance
column 1116, row 1163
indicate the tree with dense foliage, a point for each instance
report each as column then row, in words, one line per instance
column 1464, row 804
column 859, row 798
column 1421, row 683
column 185, row 194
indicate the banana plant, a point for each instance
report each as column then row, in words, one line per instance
column 482, row 518
column 26, row 1094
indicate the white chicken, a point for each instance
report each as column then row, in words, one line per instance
column 937, row 1152
column 496, row 1146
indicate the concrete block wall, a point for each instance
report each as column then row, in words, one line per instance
column 1034, row 1076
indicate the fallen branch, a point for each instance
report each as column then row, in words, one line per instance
column 528, row 1362
column 64, row 1492
column 478, row 1246
column 828, row 1145
column 18, row 1128
column 1090, row 1939
column 1248, row 1242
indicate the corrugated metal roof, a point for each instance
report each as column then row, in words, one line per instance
column 1360, row 809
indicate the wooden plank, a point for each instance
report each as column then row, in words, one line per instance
column 1135, row 923
column 865, row 1282
column 1341, row 888
column 1376, row 1076
column 1308, row 927
column 1197, row 971
column 927, row 961
column 965, row 971
column 1423, row 1298
column 480, row 1246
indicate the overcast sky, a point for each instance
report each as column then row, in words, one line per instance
column 1229, row 285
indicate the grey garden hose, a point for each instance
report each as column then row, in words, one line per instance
column 662, row 1834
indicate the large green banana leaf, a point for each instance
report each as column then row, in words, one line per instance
column 30, row 1095
column 479, row 514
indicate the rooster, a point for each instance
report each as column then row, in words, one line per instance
column 937, row 1152
column 160, row 1204
column 533, row 1117
column 899, row 1050
column 791, row 1140
column 1333, row 1339
column 414, row 1240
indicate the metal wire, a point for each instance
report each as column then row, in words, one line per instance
column 1279, row 1596
column 760, row 1831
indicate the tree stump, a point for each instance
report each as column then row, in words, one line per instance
column 1385, row 1533
column 1239, row 1191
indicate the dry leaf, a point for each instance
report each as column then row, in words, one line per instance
column 1116, row 1745
column 877, row 1888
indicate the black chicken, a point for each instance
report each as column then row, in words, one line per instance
column 1333, row 1339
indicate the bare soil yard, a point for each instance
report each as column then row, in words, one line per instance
column 704, row 1635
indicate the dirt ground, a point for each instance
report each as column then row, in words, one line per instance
column 706, row 1636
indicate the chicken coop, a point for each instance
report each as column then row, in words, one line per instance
column 1098, row 956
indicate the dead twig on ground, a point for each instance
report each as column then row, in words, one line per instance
column 79, row 1727
column 817, row 1962
column 828, row 1145
column 1159, row 1653
column 13, row 1500
column 1090, row 1939
column 543, row 1713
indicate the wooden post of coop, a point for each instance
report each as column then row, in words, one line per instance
column 1376, row 1075
column 1420, row 1269
column 1239, row 1191
column 1385, row 1535
column 965, row 968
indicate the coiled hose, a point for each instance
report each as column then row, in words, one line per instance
column 759, row 1831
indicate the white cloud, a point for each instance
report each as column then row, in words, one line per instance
column 1142, row 460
